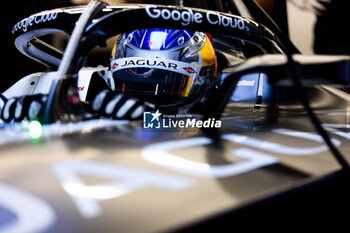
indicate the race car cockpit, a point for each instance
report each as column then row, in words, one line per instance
column 187, row 66
column 91, row 162
column 202, row 60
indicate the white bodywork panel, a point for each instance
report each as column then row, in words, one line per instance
column 40, row 83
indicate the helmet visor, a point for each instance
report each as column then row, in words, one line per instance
column 154, row 82
column 155, row 76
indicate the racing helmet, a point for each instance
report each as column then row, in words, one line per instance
column 166, row 67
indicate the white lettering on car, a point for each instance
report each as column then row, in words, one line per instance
column 160, row 63
column 188, row 16
column 127, row 180
column 160, row 153
column 34, row 19
column 225, row 21
column 283, row 149
column 336, row 129
column 32, row 213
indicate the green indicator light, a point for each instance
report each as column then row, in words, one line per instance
column 35, row 129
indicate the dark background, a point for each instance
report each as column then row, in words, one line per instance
column 13, row 64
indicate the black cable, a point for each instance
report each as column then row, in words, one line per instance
column 293, row 67
column 294, row 72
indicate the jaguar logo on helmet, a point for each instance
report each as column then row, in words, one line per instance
column 151, row 63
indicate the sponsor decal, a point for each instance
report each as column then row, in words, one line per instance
column 188, row 16
column 159, row 63
column 34, row 19
column 246, row 83
column 115, row 65
column 190, row 70
column 216, row 18
column 199, row 39
column 148, row 62
column 157, row 120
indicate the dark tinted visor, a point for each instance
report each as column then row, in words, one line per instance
column 153, row 82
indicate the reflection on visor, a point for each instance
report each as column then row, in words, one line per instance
column 153, row 82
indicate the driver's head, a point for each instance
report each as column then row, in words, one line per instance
column 164, row 66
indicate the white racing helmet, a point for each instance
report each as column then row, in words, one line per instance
column 164, row 66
